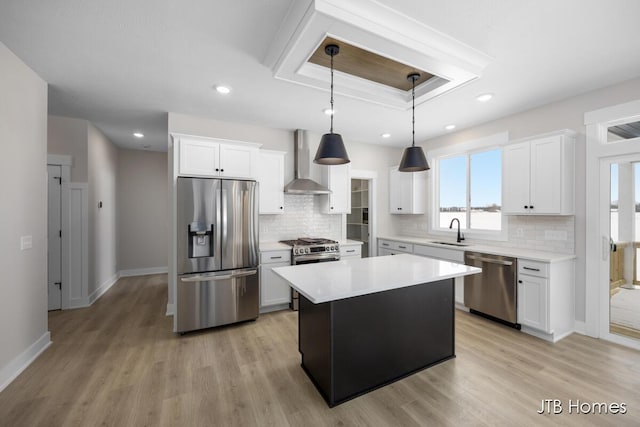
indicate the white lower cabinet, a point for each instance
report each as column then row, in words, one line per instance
column 546, row 298
column 348, row 251
column 274, row 290
column 445, row 254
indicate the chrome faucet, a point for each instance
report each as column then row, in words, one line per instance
column 460, row 237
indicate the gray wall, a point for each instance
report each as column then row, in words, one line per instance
column 142, row 209
column 68, row 136
column 102, row 172
column 568, row 113
column 23, row 305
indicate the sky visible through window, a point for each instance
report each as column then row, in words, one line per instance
column 486, row 178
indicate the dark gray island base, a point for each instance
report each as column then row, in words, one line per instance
column 354, row 345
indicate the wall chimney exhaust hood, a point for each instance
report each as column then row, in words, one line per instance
column 301, row 183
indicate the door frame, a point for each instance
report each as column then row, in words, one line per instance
column 372, row 177
column 65, row 217
column 599, row 154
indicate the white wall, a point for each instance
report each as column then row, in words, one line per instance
column 568, row 113
column 68, row 136
column 23, row 288
column 102, row 171
column 142, row 199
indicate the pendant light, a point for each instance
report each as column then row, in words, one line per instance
column 331, row 150
column 413, row 159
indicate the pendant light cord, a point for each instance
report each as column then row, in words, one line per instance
column 332, row 112
column 413, row 112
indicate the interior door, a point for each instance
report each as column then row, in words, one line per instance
column 54, row 238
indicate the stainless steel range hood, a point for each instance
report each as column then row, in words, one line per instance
column 301, row 183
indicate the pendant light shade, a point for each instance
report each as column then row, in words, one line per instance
column 331, row 150
column 413, row 158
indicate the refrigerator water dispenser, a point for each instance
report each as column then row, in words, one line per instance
column 200, row 240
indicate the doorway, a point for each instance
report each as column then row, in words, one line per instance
column 612, row 304
column 54, row 237
column 361, row 222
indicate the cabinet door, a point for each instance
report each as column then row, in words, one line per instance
column 400, row 191
column 546, row 175
column 338, row 179
column 515, row 178
column 198, row 157
column 238, row 161
column 270, row 175
column 273, row 288
column 532, row 302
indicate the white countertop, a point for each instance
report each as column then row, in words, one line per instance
column 495, row 250
column 330, row 281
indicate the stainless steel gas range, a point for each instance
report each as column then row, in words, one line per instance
column 307, row 250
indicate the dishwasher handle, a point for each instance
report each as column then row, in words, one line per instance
column 489, row 260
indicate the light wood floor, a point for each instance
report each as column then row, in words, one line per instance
column 117, row 363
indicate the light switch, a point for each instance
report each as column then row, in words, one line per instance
column 26, row 242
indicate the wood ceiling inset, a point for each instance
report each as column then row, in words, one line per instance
column 367, row 65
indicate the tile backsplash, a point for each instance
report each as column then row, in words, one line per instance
column 301, row 217
column 543, row 233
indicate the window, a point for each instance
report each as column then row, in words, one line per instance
column 469, row 188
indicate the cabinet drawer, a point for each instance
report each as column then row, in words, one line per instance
column 396, row 246
column 533, row 268
column 352, row 250
column 271, row 257
column 439, row 253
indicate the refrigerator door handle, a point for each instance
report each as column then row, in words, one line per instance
column 244, row 273
column 206, row 278
column 223, row 211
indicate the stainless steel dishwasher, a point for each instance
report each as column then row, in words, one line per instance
column 492, row 293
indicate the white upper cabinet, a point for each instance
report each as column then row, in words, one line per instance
column 338, row 179
column 538, row 176
column 271, row 178
column 407, row 191
column 200, row 156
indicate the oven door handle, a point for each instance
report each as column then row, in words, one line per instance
column 316, row 257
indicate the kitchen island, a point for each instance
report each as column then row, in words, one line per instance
column 364, row 323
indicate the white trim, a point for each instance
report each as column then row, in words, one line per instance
column 142, row 271
column 467, row 149
column 169, row 310
column 75, row 295
column 600, row 154
column 10, row 371
column 59, row 159
column 103, row 288
column 372, row 177
column 580, row 327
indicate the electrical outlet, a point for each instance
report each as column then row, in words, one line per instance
column 555, row 235
column 26, row 242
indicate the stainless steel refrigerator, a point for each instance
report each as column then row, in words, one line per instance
column 217, row 266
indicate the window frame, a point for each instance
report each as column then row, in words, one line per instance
column 466, row 149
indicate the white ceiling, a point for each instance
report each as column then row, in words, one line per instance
column 124, row 64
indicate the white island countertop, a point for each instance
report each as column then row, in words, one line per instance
column 331, row 281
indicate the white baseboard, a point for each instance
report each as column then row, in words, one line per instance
column 143, row 271
column 103, row 288
column 580, row 327
column 169, row 310
column 11, row 371
column 78, row 303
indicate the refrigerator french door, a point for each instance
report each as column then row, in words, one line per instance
column 217, row 252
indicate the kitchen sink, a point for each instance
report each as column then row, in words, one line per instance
column 451, row 243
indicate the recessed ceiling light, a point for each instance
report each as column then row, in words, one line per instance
column 138, row 134
column 223, row 89
column 484, row 97
column 328, row 111
column 450, row 127
column 386, row 135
